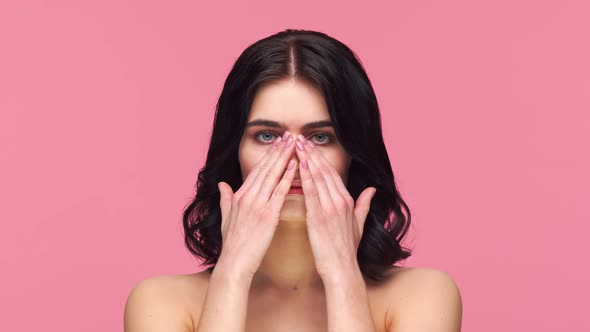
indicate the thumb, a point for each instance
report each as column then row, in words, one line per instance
column 362, row 206
column 225, row 197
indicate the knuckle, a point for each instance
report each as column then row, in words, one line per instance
column 274, row 172
column 244, row 201
column 279, row 191
column 256, row 203
column 256, row 214
column 240, row 203
column 330, row 210
column 265, row 167
column 349, row 201
column 316, row 176
column 268, row 176
column 340, row 204
column 312, row 191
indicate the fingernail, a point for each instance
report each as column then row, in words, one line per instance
column 304, row 164
column 289, row 142
column 300, row 146
column 291, row 164
column 277, row 141
column 301, row 139
column 285, row 135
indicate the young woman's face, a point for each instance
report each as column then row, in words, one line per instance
column 291, row 104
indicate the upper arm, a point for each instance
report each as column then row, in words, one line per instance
column 432, row 304
column 151, row 307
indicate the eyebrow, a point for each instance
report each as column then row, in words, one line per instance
column 275, row 124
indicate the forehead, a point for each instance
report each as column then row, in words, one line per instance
column 290, row 102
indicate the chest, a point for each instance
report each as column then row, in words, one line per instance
column 298, row 314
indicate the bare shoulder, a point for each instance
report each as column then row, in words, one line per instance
column 423, row 299
column 165, row 302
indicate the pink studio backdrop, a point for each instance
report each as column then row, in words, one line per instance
column 106, row 109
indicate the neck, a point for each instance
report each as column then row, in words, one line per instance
column 288, row 264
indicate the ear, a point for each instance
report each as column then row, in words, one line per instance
column 362, row 206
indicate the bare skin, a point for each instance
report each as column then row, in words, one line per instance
column 286, row 292
column 409, row 299
column 179, row 299
column 289, row 261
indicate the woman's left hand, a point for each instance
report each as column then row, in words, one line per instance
column 334, row 220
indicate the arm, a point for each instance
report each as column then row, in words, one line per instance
column 432, row 304
column 150, row 307
column 348, row 303
column 226, row 302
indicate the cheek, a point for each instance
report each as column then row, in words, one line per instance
column 249, row 157
column 340, row 162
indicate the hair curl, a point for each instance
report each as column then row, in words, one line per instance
column 335, row 70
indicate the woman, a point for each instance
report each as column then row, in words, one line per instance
column 296, row 209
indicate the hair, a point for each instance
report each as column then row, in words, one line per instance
column 330, row 66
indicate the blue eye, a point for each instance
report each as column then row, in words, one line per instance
column 265, row 134
column 325, row 138
column 269, row 137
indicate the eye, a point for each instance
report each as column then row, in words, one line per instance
column 323, row 139
column 267, row 136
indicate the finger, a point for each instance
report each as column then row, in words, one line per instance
column 264, row 173
column 335, row 176
column 225, row 197
column 310, row 194
column 273, row 176
column 282, row 189
column 258, row 168
column 316, row 176
column 362, row 206
column 325, row 169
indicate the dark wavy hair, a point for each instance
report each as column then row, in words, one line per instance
column 335, row 70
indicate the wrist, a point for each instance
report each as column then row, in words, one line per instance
column 343, row 275
column 231, row 273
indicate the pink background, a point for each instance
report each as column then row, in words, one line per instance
column 106, row 109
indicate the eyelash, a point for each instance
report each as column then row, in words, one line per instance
column 329, row 137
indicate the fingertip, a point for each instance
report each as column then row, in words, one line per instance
column 304, row 164
column 297, row 149
column 290, row 172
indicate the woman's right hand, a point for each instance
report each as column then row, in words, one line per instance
column 249, row 216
